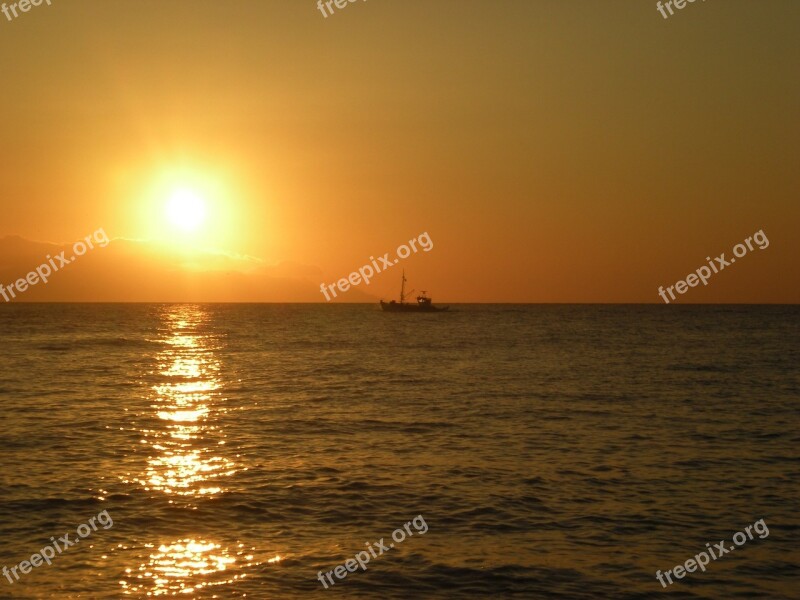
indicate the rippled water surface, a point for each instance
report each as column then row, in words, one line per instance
column 551, row 451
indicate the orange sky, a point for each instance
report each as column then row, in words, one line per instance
column 554, row 151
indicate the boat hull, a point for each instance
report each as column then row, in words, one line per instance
column 397, row 307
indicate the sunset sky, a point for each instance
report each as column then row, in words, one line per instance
column 554, row 151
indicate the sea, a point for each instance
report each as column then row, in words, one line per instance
column 492, row 451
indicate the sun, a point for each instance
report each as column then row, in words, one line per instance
column 188, row 206
column 186, row 210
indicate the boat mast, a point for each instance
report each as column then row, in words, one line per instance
column 403, row 288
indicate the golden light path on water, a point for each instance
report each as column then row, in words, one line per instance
column 186, row 463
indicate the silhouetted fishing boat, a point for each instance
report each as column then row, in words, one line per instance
column 424, row 303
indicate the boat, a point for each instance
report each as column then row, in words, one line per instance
column 423, row 304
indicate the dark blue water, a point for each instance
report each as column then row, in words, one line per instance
column 551, row 451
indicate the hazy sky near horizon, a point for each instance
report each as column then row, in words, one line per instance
column 555, row 151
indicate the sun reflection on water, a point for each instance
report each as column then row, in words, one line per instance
column 187, row 566
column 185, row 461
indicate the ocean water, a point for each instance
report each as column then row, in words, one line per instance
column 550, row 451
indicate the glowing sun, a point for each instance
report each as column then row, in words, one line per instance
column 186, row 210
